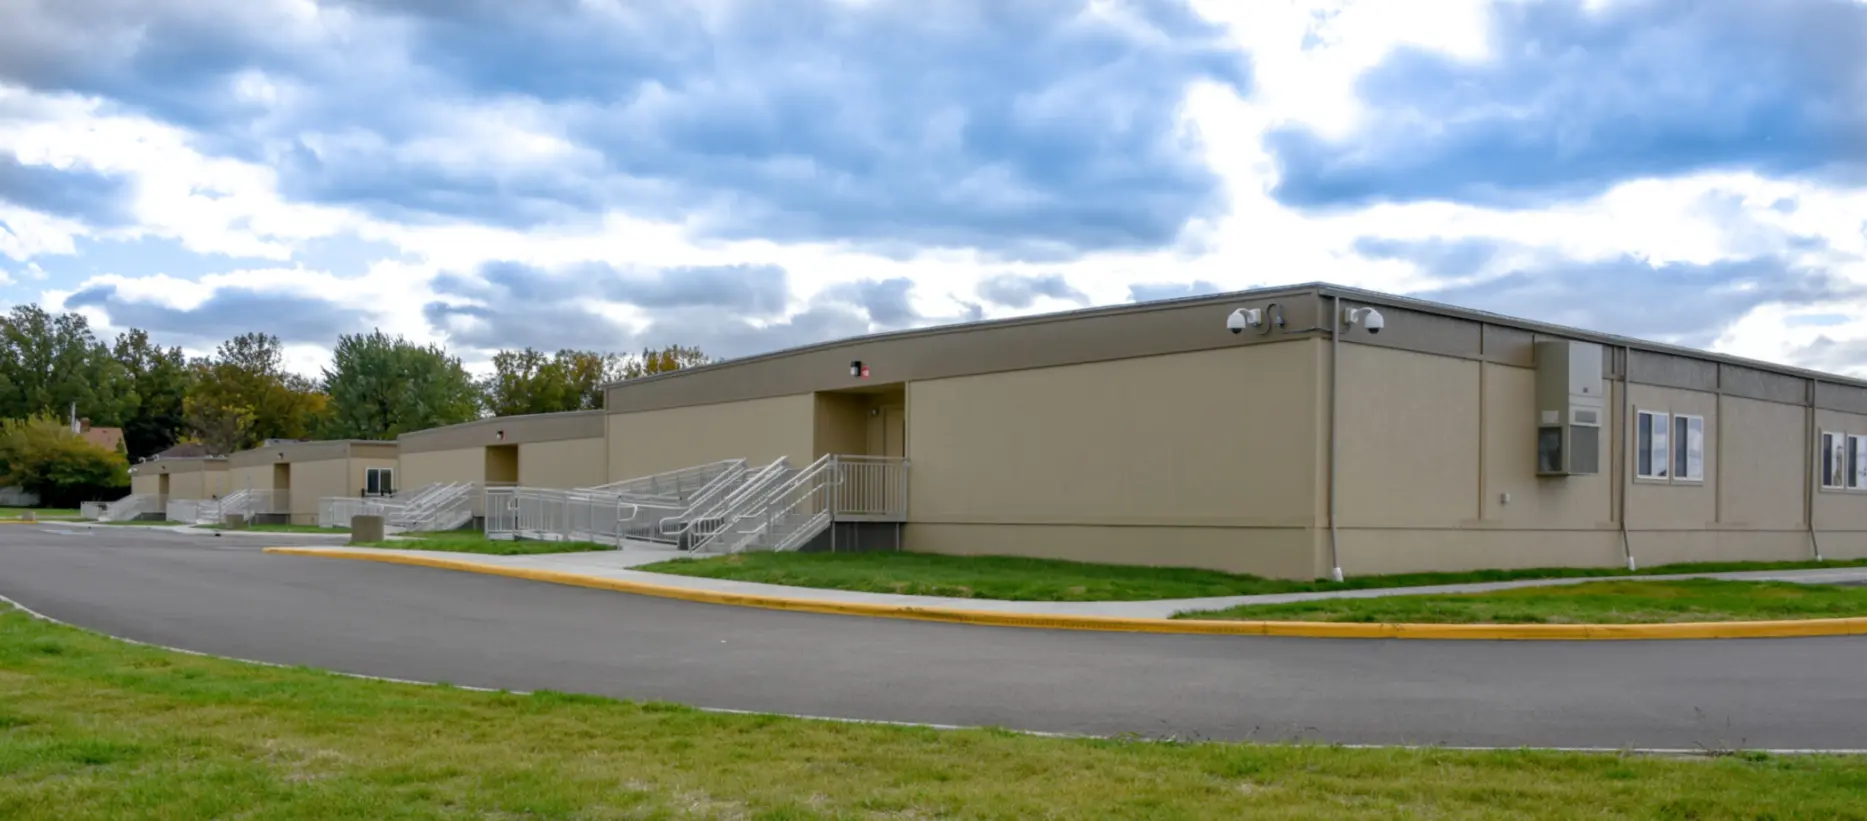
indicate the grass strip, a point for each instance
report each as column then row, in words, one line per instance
column 94, row 728
column 1021, row 579
column 471, row 541
column 1607, row 602
column 282, row 528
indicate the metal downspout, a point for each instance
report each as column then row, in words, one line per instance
column 1811, row 469
column 1626, row 453
column 1335, row 402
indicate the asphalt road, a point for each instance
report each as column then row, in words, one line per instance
column 224, row 597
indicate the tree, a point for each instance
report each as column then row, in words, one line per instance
column 154, row 417
column 243, row 396
column 48, row 363
column 526, row 381
column 670, row 358
column 380, row 388
column 43, row 456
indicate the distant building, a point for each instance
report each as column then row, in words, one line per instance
column 106, row 438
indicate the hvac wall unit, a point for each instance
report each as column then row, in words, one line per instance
column 1571, row 407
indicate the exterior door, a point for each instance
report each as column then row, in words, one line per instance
column 870, row 489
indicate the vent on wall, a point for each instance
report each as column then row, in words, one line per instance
column 1570, row 400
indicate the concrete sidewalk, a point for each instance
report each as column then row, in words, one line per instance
column 618, row 565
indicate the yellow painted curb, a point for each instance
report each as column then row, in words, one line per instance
column 1306, row 629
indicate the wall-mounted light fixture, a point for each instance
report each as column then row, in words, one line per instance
column 858, row 370
column 501, row 435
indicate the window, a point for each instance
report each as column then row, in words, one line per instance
column 1834, row 459
column 1651, row 455
column 378, row 482
column 1689, row 448
column 1857, row 462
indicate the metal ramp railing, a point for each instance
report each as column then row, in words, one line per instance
column 647, row 509
column 776, row 507
column 133, row 506
column 438, row 506
column 836, row 488
column 674, row 484
column 193, row 511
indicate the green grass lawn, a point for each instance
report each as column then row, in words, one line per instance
column 283, row 529
column 40, row 512
column 473, row 541
column 94, row 728
column 1019, row 579
column 1609, row 602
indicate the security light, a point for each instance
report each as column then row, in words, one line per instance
column 1244, row 318
column 1366, row 317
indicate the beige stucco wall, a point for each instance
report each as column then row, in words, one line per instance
column 189, row 479
column 462, row 465
column 206, row 483
column 760, row 430
column 360, row 465
column 1204, row 459
column 1426, row 466
column 567, row 463
column 1840, row 515
column 312, row 482
column 257, row 477
column 1430, row 445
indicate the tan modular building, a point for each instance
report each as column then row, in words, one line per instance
column 546, row 450
column 181, row 479
column 1292, row 432
column 288, row 479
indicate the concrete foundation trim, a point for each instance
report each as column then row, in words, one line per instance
column 1344, row 630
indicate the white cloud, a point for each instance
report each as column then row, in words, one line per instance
column 1306, row 58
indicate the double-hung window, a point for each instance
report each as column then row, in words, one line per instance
column 1652, row 457
column 1834, row 460
column 1854, row 471
column 1688, row 448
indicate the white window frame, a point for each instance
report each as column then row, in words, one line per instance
column 1683, row 469
column 1656, row 452
column 381, row 473
column 1833, row 459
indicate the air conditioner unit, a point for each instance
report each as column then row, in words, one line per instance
column 1571, row 408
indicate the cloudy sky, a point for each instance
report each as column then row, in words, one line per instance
column 746, row 175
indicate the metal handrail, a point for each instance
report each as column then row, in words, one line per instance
column 728, row 499
column 815, row 487
column 753, row 496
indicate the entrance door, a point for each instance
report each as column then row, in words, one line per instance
column 888, row 432
column 871, row 488
column 280, row 499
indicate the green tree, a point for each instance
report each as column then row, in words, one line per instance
column 527, row 381
column 154, row 417
column 381, row 387
column 49, row 363
column 671, row 358
column 243, row 396
column 43, row 456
